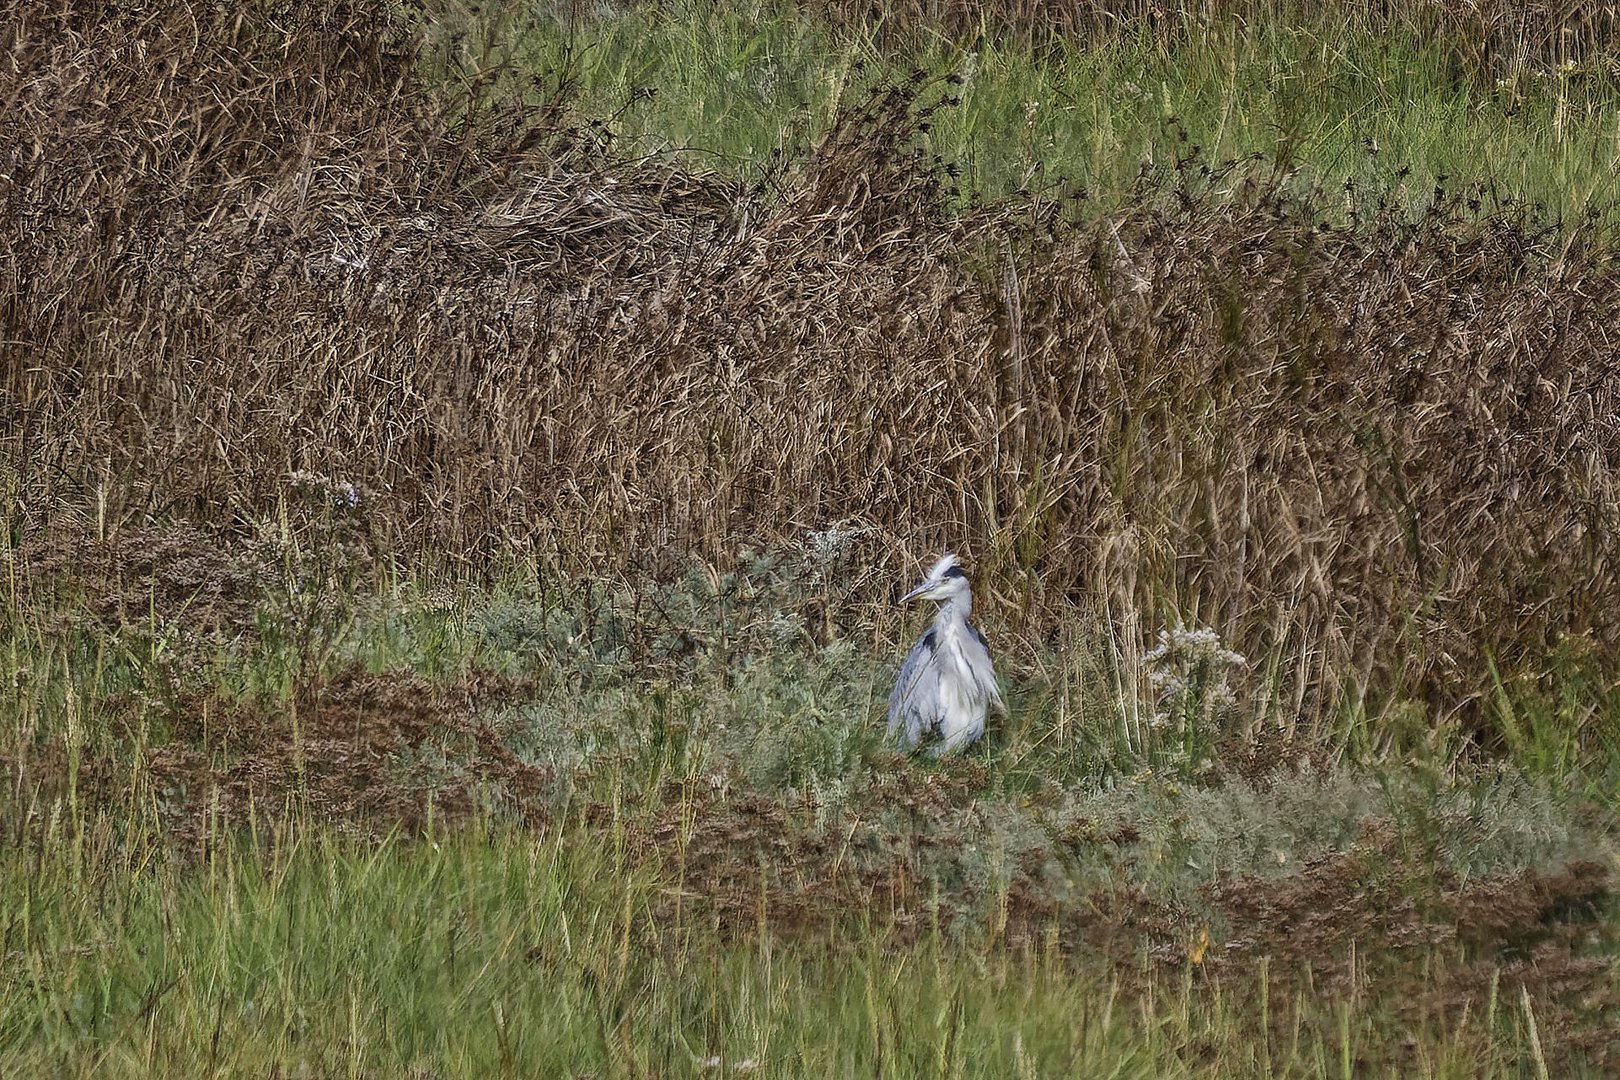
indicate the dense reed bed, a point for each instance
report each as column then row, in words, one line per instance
column 245, row 247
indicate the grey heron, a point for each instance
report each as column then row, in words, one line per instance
column 947, row 683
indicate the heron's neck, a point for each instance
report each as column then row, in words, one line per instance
column 955, row 611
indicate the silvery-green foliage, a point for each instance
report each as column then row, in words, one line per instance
column 513, row 624
column 589, row 637
column 1488, row 821
column 711, row 677
column 801, row 721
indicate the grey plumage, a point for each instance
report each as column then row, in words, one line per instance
column 947, row 684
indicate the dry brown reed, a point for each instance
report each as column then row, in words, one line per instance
column 248, row 244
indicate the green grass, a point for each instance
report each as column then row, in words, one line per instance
column 612, row 937
column 513, row 953
column 1319, row 95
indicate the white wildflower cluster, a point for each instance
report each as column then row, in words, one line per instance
column 1189, row 671
column 342, row 493
column 1191, row 662
column 834, row 541
column 825, row 548
column 784, row 629
column 966, row 73
column 764, row 79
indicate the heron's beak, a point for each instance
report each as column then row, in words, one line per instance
column 914, row 593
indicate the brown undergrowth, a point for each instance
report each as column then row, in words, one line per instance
column 1377, row 922
column 359, row 751
column 166, row 576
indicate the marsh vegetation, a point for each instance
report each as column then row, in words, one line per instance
column 457, row 465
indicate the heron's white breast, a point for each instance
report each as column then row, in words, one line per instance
column 959, row 683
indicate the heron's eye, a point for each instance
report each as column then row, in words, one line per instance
column 955, row 571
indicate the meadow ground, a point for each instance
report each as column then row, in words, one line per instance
column 457, row 466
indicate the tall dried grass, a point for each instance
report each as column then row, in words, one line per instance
column 246, row 243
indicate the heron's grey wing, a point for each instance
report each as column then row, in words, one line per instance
column 984, row 672
column 911, row 700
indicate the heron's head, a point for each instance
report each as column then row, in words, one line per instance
column 946, row 581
